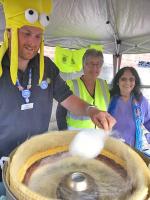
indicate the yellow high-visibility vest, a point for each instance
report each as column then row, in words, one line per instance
column 101, row 101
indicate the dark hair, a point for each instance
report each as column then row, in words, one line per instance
column 115, row 86
column 92, row 53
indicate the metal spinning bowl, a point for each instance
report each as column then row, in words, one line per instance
column 77, row 186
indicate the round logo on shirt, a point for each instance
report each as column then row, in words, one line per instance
column 44, row 85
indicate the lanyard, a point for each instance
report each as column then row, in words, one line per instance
column 137, row 113
column 26, row 93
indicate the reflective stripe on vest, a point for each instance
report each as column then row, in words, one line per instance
column 85, row 121
column 103, row 85
column 76, row 92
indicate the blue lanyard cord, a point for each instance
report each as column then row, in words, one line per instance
column 26, row 93
column 137, row 111
column 29, row 81
column 138, row 123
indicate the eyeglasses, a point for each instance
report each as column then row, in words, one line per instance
column 92, row 64
column 127, row 79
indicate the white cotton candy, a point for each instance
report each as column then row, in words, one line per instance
column 88, row 143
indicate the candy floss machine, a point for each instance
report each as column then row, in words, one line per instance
column 43, row 169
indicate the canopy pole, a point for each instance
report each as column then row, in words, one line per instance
column 116, row 63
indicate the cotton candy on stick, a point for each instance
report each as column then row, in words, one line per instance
column 88, row 143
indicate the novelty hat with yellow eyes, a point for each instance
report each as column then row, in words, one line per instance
column 18, row 14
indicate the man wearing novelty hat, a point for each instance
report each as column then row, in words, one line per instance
column 29, row 81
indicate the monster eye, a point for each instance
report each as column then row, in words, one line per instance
column 31, row 15
column 44, row 19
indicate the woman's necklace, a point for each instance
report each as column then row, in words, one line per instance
column 26, row 93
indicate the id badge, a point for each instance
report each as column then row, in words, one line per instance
column 27, row 106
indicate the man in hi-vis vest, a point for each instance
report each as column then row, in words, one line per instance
column 89, row 88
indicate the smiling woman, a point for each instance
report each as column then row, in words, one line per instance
column 143, row 71
column 129, row 107
column 126, row 84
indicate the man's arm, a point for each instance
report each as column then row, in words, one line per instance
column 61, row 113
column 79, row 107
